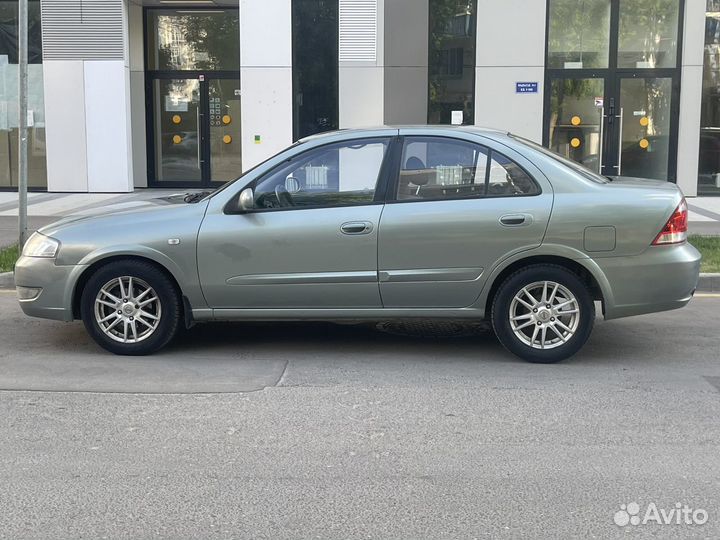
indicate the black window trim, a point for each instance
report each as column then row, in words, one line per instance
column 383, row 179
column 392, row 193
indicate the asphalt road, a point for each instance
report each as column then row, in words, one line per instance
column 323, row 431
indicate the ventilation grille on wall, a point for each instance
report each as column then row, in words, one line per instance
column 82, row 29
column 358, row 30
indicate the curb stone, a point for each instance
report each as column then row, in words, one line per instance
column 708, row 283
column 6, row 280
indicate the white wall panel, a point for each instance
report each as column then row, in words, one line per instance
column 511, row 33
column 136, row 38
column 694, row 33
column 361, row 96
column 265, row 33
column 361, row 75
column 689, row 130
column 266, row 111
column 107, row 120
column 65, row 125
column 498, row 106
column 691, row 96
column 265, row 78
column 510, row 49
column 138, row 139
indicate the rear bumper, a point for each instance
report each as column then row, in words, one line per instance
column 55, row 284
column 660, row 279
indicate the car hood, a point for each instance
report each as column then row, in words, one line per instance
column 139, row 207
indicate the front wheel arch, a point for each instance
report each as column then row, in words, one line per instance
column 97, row 265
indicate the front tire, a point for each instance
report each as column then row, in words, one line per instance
column 543, row 313
column 131, row 308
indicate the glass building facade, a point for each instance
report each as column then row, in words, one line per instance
column 213, row 90
column 451, row 63
column 709, row 170
column 613, row 85
column 37, row 165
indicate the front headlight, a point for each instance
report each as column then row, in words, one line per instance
column 39, row 245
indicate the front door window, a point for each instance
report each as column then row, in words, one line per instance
column 343, row 174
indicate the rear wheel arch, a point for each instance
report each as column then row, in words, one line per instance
column 97, row 265
column 585, row 274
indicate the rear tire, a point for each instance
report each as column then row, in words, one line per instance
column 543, row 313
column 131, row 308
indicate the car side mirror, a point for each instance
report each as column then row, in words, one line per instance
column 246, row 202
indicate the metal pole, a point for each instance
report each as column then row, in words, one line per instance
column 22, row 120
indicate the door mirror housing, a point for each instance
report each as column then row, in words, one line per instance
column 246, row 201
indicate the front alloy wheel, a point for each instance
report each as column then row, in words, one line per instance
column 543, row 313
column 127, row 309
column 131, row 307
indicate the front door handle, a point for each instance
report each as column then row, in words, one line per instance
column 356, row 227
column 516, row 220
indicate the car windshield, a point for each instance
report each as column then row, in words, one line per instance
column 574, row 165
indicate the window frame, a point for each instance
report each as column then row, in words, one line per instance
column 393, row 185
column 384, row 177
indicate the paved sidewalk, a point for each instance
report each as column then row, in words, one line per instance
column 44, row 208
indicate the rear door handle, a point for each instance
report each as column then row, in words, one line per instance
column 516, row 220
column 356, row 227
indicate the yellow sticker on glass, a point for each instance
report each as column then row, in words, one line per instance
column 177, row 139
column 575, row 142
column 576, row 120
column 176, row 119
column 644, row 121
column 644, row 143
column 227, row 139
column 226, row 119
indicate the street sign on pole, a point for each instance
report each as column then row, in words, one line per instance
column 22, row 120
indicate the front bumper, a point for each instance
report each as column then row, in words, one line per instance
column 56, row 284
column 660, row 279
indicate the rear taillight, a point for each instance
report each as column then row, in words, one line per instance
column 675, row 230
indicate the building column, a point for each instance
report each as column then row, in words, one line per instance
column 87, row 96
column 510, row 48
column 361, row 72
column 406, row 62
column 265, row 79
column 691, row 96
column 136, row 64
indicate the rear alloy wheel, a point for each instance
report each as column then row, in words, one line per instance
column 543, row 313
column 130, row 307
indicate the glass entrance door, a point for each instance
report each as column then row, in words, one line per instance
column 612, row 85
column 178, row 156
column 622, row 126
column 195, row 131
column 192, row 95
column 642, row 131
column 576, row 120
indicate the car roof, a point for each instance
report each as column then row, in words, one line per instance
column 419, row 128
